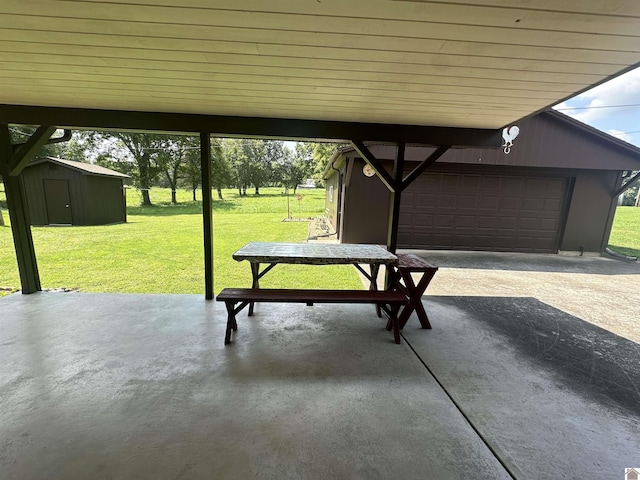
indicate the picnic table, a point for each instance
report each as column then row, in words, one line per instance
column 274, row 253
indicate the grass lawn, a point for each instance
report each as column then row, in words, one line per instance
column 625, row 234
column 159, row 249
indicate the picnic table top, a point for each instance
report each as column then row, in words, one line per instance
column 314, row 253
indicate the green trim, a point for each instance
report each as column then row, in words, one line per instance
column 207, row 213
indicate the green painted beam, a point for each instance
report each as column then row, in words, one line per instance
column 28, row 150
column 19, row 216
column 207, row 212
column 220, row 125
column 419, row 170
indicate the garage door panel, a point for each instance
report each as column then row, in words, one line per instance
column 471, row 182
column 446, row 201
column 552, row 204
column 508, row 223
column 513, row 184
column 549, row 225
column 423, row 200
column 426, row 220
column 467, row 202
column 404, row 238
column 465, row 221
column 533, row 204
column 445, row 221
column 483, row 212
column 487, row 203
column 510, row 203
column 489, row 183
column 529, row 224
column 555, row 187
column 450, row 181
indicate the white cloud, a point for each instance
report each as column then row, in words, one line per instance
column 621, row 135
column 623, row 90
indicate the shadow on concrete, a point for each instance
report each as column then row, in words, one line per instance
column 583, row 357
column 548, row 391
column 527, row 262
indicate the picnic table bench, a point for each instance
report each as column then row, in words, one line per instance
column 402, row 280
column 389, row 301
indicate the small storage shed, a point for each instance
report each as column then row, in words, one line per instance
column 65, row 192
column 555, row 190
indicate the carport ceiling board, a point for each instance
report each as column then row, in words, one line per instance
column 473, row 64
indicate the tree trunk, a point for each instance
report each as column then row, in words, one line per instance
column 194, row 193
column 174, row 200
column 145, row 197
column 220, row 194
column 257, row 190
column 144, row 167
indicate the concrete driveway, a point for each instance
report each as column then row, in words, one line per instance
column 602, row 291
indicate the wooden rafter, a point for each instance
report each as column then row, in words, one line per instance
column 23, row 155
column 419, row 170
column 628, row 184
column 368, row 157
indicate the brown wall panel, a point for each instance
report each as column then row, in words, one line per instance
column 366, row 212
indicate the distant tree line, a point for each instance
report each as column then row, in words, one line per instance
column 173, row 161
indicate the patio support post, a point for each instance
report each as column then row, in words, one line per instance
column 396, row 193
column 19, row 217
column 207, row 212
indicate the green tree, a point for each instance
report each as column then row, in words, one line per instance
column 257, row 153
column 171, row 157
column 119, row 165
column 76, row 148
column 141, row 149
column 237, row 161
column 322, row 152
column 294, row 168
column 221, row 173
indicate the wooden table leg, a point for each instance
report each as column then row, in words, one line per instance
column 415, row 293
column 255, row 274
column 375, row 268
column 231, row 321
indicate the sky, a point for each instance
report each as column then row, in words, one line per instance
column 613, row 107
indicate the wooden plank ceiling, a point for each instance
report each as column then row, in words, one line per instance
column 459, row 63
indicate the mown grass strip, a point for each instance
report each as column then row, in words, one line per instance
column 159, row 249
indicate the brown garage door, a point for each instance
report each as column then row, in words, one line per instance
column 483, row 212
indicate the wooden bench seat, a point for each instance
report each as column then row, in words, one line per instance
column 387, row 300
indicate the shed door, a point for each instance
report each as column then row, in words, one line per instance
column 56, row 194
column 497, row 212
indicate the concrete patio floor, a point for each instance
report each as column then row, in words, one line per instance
column 141, row 386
